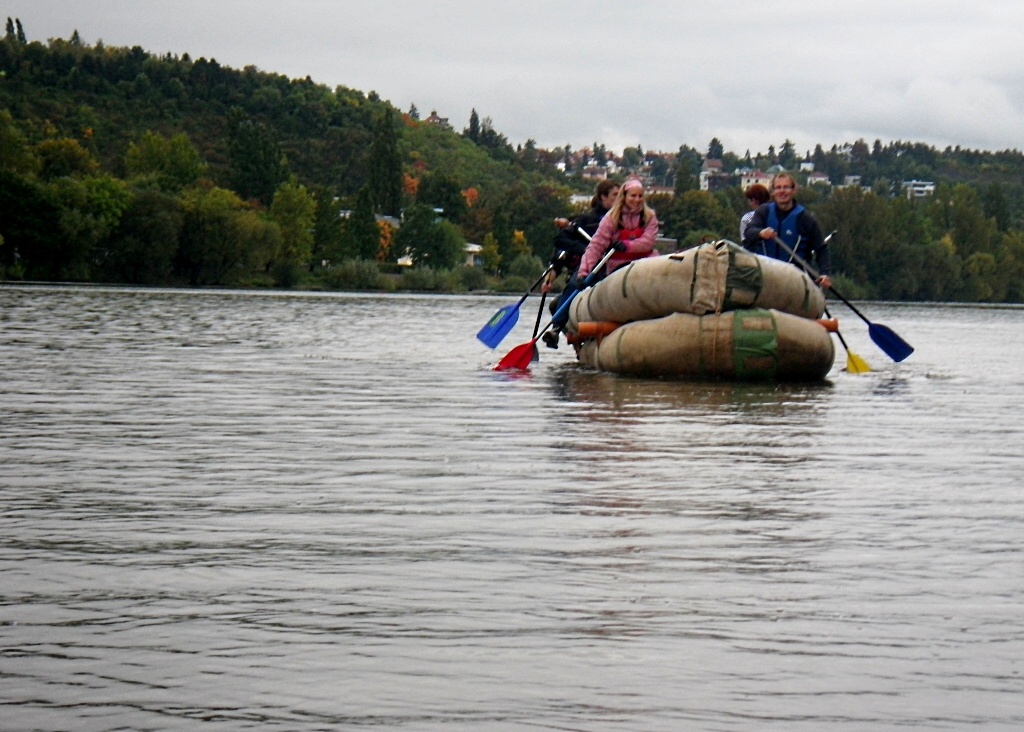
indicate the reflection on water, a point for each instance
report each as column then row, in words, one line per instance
column 304, row 512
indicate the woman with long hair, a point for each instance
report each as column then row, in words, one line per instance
column 630, row 227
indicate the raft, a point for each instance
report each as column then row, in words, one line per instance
column 713, row 312
column 710, row 278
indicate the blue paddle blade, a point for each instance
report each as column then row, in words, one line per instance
column 498, row 326
column 895, row 347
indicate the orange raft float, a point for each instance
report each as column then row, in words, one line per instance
column 716, row 312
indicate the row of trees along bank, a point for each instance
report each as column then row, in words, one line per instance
column 120, row 166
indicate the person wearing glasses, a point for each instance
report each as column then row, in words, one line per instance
column 784, row 218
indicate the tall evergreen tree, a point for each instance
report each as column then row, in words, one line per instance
column 362, row 237
column 787, row 155
column 473, row 131
column 385, row 177
column 327, row 226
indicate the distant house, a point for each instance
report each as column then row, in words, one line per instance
column 441, row 122
column 918, row 188
column 806, row 167
column 594, row 172
column 660, row 191
column 710, row 170
column 818, row 179
column 473, row 258
column 750, row 177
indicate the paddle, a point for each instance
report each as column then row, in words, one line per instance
column 854, row 363
column 895, row 347
column 536, row 326
column 519, row 358
column 505, row 319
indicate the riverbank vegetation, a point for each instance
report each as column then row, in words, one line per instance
column 121, row 166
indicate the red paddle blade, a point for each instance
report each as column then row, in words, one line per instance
column 518, row 359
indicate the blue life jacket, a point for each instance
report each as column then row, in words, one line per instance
column 788, row 231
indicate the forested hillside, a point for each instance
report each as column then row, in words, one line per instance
column 117, row 165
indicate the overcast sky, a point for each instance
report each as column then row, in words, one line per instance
column 655, row 73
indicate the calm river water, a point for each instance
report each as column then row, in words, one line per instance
column 239, row 510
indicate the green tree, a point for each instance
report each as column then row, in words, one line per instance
column 502, row 232
column 362, row 236
column 385, row 165
column 981, row 276
column 473, row 131
column 173, row 163
column 90, row 210
column 144, row 245
column 1011, row 265
column 213, row 250
column 788, row 158
column 15, row 153
column 256, row 163
column 328, row 230
column 490, row 255
column 972, row 231
column 715, row 149
column 698, row 211
column 64, row 157
column 440, row 190
column 995, row 206
column 860, row 219
column 294, row 212
column 29, row 224
column 632, row 158
column 688, row 164
column 429, row 241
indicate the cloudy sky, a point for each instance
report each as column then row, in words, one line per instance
column 655, row 73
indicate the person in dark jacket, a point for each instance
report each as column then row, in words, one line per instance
column 782, row 217
column 756, row 195
column 570, row 244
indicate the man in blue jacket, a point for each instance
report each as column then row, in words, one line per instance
column 782, row 217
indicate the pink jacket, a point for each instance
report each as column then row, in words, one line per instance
column 608, row 231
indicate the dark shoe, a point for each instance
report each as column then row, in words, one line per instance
column 550, row 339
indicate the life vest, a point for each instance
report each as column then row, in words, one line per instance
column 626, row 236
column 787, row 230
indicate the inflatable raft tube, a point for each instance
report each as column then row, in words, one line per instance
column 745, row 345
column 710, row 278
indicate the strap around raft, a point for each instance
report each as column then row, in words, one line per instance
column 755, row 345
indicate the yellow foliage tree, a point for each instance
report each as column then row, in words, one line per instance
column 489, row 254
column 519, row 243
column 387, row 234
